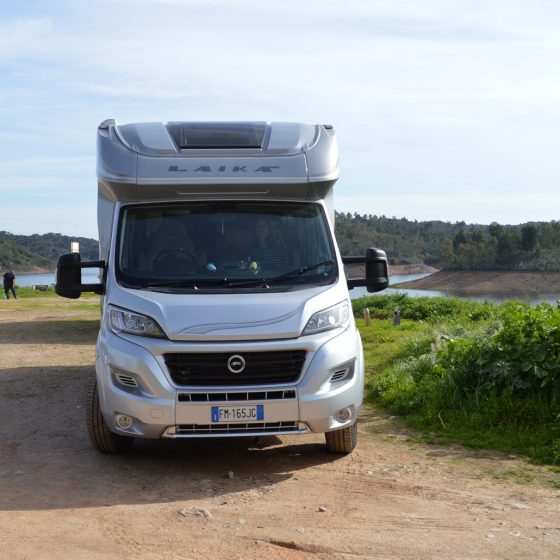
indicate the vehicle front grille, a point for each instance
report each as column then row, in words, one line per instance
column 211, row 369
column 249, row 429
column 237, row 396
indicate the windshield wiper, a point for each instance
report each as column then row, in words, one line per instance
column 298, row 272
column 195, row 284
column 278, row 279
column 229, row 283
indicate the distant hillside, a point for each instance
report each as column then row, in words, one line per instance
column 38, row 253
column 404, row 241
column 532, row 246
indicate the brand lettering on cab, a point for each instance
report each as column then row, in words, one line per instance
column 224, row 169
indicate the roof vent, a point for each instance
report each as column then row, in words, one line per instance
column 217, row 135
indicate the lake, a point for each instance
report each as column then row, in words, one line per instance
column 90, row 276
column 494, row 298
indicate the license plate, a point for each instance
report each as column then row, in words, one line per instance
column 251, row 413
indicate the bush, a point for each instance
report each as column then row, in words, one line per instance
column 523, row 357
column 487, row 383
column 423, row 308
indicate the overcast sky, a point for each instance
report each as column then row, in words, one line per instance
column 444, row 109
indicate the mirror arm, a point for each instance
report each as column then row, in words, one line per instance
column 96, row 288
column 354, row 282
column 353, row 260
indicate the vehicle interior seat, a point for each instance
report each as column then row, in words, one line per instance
column 171, row 236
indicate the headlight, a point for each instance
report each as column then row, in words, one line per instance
column 331, row 318
column 133, row 323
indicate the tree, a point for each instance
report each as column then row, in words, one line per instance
column 460, row 239
column 446, row 253
column 496, row 230
column 529, row 237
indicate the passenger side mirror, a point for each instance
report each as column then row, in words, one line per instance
column 377, row 270
column 69, row 276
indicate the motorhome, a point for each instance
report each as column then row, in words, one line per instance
column 225, row 306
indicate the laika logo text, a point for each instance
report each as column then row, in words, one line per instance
column 224, row 169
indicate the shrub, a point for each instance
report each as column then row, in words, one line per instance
column 490, row 383
column 522, row 357
column 424, row 308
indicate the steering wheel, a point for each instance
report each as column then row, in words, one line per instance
column 173, row 258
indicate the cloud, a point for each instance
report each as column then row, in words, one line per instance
column 40, row 165
column 24, row 38
column 425, row 96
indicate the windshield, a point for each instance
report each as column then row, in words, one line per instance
column 224, row 245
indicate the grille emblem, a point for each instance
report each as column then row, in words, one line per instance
column 236, row 363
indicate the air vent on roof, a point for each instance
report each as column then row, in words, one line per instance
column 225, row 135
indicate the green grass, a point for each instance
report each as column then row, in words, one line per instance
column 483, row 375
column 30, row 300
column 27, row 292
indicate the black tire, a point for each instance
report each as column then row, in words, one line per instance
column 343, row 440
column 101, row 437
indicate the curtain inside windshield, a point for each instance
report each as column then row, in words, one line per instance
column 207, row 242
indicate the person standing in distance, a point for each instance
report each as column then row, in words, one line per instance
column 9, row 279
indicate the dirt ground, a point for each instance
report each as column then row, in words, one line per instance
column 472, row 283
column 278, row 498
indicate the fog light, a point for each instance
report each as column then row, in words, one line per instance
column 124, row 421
column 344, row 414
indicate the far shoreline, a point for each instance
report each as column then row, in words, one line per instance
column 487, row 282
column 397, row 269
column 31, row 270
column 468, row 283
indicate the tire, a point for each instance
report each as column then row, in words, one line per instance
column 343, row 440
column 101, row 437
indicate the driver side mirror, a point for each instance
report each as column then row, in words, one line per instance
column 69, row 276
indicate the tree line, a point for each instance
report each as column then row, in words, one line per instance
column 532, row 246
column 25, row 252
column 527, row 247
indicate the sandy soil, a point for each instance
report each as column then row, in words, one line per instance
column 489, row 282
column 279, row 498
column 359, row 270
column 404, row 269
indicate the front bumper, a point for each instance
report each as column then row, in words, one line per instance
column 133, row 380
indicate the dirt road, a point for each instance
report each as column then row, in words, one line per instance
column 280, row 498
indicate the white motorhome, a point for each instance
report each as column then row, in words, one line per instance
column 225, row 305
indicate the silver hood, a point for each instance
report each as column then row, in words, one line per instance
column 235, row 316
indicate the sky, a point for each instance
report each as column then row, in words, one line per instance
column 444, row 109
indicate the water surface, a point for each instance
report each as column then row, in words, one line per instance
column 90, row 276
column 532, row 299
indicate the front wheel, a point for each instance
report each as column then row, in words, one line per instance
column 343, row 440
column 101, row 437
